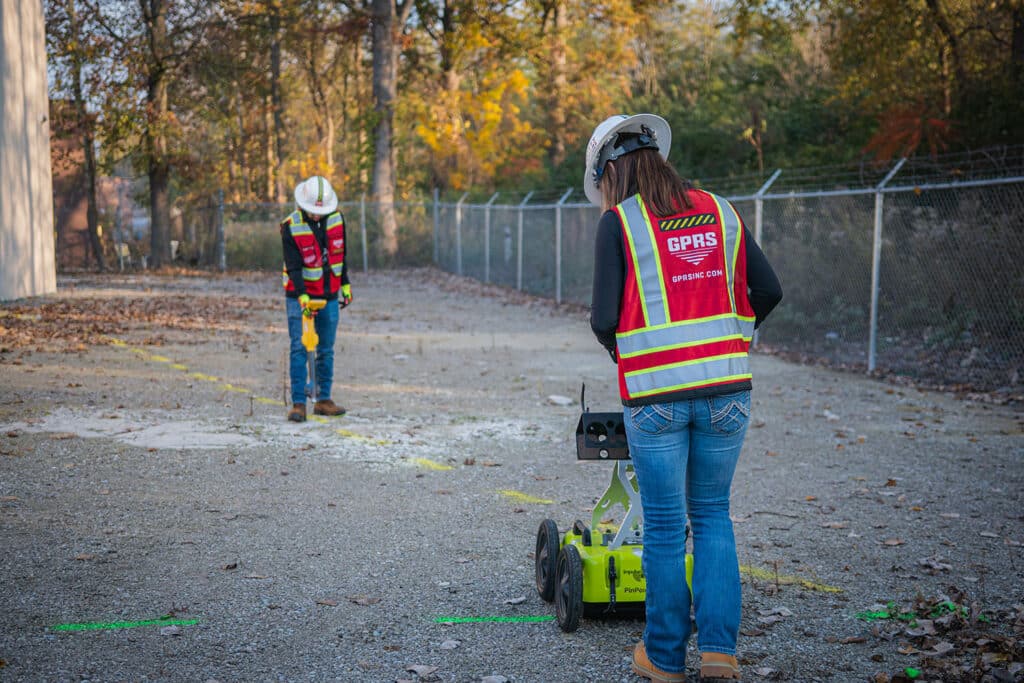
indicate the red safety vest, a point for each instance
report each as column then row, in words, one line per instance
column 685, row 321
column 312, row 256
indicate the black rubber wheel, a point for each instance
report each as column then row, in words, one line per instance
column 546, row 559
column 569, row 592
column 578, row 527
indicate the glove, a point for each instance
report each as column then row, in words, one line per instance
column 304, row 302
column 346, row 295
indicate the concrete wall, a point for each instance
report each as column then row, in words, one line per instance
column 27, row 266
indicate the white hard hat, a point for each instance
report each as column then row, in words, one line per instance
column 600, row 151
column 315, row 195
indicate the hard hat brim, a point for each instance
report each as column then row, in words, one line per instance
column 607, row 129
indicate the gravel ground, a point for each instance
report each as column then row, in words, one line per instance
column 157, row 477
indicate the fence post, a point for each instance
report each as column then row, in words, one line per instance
column 759, row 205
column 558, row 246
column 437, row 227
column 759, row 221
column 458, row 233
column 487, row 237
column 222, row 257
column 876, row 264
column 362, row 227
column 519, row 243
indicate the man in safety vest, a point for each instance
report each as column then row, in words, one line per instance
column 313, row 239
column 679, row 286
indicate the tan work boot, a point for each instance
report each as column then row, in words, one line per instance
column 717, row 667
column 642, row 667
column 297, row 413
column 328, row 407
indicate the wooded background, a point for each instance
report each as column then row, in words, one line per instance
column 393, row 99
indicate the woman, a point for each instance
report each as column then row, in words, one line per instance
column 679, row 287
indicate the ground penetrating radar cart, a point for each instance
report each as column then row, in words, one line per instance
column 596, row 570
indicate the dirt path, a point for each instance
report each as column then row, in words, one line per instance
column 156, row 476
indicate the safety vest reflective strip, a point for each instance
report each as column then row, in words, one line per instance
column 333, row 221
column 658, row 334
column 703, row 330
column 644, row 248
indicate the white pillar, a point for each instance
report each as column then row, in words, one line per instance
column 27, row 257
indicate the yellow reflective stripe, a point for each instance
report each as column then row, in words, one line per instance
column 731, row 231
column 636, row 262
column 301, row 229
column 685, row 363
column 687, row 374
column 716, row 326
column 312, row 273
column 644, row 247
column 691, row 385
column 336, row 268
column 682, row 345
column 656, row 256
column 333, row 220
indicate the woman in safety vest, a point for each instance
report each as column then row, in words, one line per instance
column 679, row 287
column 313, row 239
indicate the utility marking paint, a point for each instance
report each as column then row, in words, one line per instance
column 100, row 625
column 494, row 620
column 367, row 439
column 431, row 465
column 769, row 575
column 519, row 495
column 226, row 386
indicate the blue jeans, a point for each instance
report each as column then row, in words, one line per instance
column 326, row 324
column 684, row 454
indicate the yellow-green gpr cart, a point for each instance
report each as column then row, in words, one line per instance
column 597, row 570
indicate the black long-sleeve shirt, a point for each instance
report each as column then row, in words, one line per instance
column 293, row 258
column 610, row 276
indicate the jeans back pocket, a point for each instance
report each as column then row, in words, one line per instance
column 651, row 419
column 730, row 412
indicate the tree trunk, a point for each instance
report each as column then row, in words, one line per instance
column 85, row 124
column 558, row 85
column 156, row 139
column 1017, row 38
column 268, row 129
column 275, row 99
column 385, row 77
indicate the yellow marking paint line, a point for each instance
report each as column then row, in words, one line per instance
column 226, row 386
column 431, row 465
column 769, row 575
column 524, row 497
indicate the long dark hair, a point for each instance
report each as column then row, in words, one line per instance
column 663, row 190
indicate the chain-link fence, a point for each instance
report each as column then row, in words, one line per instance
column 915, row 269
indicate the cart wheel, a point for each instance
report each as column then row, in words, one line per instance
column 546, row 559
column 569, row 595
column 578, row 527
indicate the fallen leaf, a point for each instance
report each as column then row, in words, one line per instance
column 851, row 640
column 327, row 602
column 170, row 631
column 515, row 601
column 940, row 649
column 363, row 600
column 450, row 644
column 893, row 541
column 989, row 534
column 85, row 556
column 230, row 566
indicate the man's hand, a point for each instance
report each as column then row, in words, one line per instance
column 346, row 295
column 304, row 302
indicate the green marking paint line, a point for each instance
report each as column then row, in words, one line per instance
column 179, row 366
column 160, row 359
column 768, row 575
column 529, row 619
column 430, row 464
column 268, row 401
column 526, row 498
column 101, row 625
